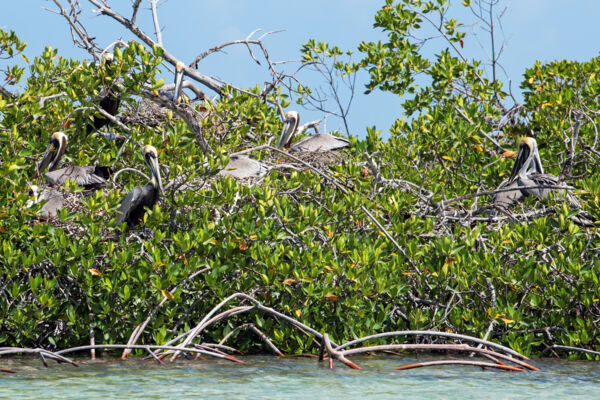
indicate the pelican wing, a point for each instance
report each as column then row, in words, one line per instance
column 88, row 176
column 241, row 167
column 133, row 206
column 319, row 143
column 509, row 197
column 131, row 202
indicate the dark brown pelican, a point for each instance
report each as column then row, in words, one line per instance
column 526, row 178
column 133, row 206
column 89, row 177
column 109, row 102
column 320, row 142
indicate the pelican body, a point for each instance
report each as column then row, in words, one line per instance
column 90, row 177
column 526, row 177
column 109, row 102
column 244, row 167
column 133, row 206
column 321, row 142
column 54, row 201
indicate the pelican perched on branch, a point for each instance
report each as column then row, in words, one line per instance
column 109, row 102
column 133, row 206
column 528, row 178
column 321, row 142
column 89, row 176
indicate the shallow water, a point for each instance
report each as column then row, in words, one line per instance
column 294, row 378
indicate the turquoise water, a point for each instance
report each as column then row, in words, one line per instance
column 294, row 378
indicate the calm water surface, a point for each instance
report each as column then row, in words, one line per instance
column 294, row 378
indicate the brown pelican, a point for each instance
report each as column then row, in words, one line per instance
column 133, row 206
column 88, row 177
column 320, row 142
column 109, row 103
column 290, row 125
column 180, row 68
column 176, row 95
column 54, row 201
column 244, row 167
column 526, row 178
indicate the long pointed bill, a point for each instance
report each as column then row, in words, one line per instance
column 521, row 161
column 538, row 167
column 178, row 85
column 155, row 170
column 49, row 155
column 286, row 133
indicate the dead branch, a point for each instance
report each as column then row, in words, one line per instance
column 258, row 333
column 140, row 328
column 568, row 348
column 460, row 362
column 433, row 333
column 438, row 347
column 205, row 80
column 146, row 347
column 42, row 352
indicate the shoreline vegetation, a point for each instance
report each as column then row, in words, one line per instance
column 398, row 242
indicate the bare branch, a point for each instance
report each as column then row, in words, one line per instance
column 156, row 24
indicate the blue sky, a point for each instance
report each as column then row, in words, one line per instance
column 537, row 30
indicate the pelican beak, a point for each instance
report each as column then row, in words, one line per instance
column 289, row 128
column 537, row 161
column 522, row 159
column 180, row 68
column 50, row 153
column 54, row 152
column 156, row 172
column 151, row 158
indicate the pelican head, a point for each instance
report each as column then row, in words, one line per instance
column 292, row 119
column 180, row 69
column 54, row 152
column 528, row 159
column 151, row 158
column 108, row 58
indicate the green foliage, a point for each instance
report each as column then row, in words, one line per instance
column 295, row 242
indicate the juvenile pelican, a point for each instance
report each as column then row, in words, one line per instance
column 88, row 176
column 54, row 201
column 527, row 176
column 133, row 206
column 320, row 142
column 109, row 102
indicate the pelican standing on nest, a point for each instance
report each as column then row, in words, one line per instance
column 90, row 177
column 109, row 102
column 528, row 178
column 133, row 206
column 320, row 142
